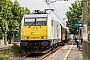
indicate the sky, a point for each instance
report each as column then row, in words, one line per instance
column 60, row 6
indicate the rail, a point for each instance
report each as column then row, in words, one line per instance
column 9, row 46
column 5, row 48
column 41, row 57
column 86, row 48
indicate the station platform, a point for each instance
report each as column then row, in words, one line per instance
column 67, row 52
column 74, row 53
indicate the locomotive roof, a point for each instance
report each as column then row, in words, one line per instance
column 36, row 15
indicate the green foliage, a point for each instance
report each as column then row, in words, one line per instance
column 15, row 49
column 89, row 13
column 1, row 58
column 5, row 55
column 1, row 36
column 11, row 14
column 74, row 16
column 84, row 55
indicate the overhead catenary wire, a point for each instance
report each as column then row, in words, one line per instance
column 55, row 11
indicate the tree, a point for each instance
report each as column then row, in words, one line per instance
column 89, row 13
column 10, row 17
column 88, row 18
column 18, row 12
column 74, row 16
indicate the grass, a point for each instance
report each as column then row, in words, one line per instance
column 85, row 56
column 6, row 54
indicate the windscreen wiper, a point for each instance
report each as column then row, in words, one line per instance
column 38, row 25
column 31, row 25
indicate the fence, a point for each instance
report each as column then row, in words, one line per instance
column 86, row 47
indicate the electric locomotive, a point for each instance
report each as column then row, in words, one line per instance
column 39, row 32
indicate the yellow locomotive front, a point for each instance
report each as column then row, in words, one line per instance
column 34, row 29
column 34, row 33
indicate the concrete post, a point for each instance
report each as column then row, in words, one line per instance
column 85, row 32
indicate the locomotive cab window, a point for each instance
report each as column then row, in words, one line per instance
column 39, row 21
column 29, row 21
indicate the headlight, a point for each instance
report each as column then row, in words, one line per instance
column 26, row 37
column 35, row 29
column 43, row 37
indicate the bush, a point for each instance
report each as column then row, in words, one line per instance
column 15, row 49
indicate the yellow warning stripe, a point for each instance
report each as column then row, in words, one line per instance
column 68, row 52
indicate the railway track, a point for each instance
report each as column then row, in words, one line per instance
column 30, row 57
column 8, row 47
column 5, row 48
column 22, row 58
column 40, row 57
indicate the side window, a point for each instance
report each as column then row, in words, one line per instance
column 52, row 23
